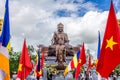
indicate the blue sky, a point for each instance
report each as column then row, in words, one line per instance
column 105, row 4
column 101, row 5
column 37, row 21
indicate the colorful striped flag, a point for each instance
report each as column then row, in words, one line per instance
column 73, row 63
column 38, row 66
column 4, row 52
column 98, row 53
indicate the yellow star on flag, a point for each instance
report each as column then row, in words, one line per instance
column 40, row 72
column 20, row 67
column 111, row 43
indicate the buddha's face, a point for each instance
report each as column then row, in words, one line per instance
column 60, row 28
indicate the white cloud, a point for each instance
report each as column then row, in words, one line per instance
column 118, row 15
column 2, row 8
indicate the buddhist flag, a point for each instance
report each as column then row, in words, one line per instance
column 38, row 66
column 4, row 53
column 6, row 28
column 25, row 66
column 73, row 63
column 81, row 61
column 98, row 52
column 110, row 52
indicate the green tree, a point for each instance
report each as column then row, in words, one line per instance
column 117, row 70
column 14, row 61
column 31, row 49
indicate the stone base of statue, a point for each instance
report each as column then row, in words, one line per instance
column 60, row 67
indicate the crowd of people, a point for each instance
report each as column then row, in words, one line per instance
column 52, row 74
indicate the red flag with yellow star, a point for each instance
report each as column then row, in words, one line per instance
column 110, row 51
column 25, row 66
column 82, row 60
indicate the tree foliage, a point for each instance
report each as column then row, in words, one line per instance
column 117, row 70
column 14, row 61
